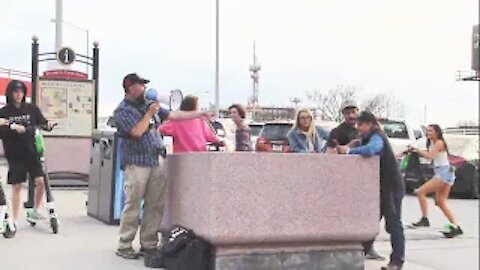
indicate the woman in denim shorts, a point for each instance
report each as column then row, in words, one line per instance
column 440, row 184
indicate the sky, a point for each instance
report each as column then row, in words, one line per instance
column 408, row 49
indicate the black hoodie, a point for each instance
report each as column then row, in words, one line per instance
column 19, row 147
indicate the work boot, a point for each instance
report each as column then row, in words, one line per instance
column 423, row 222
column 127, row 253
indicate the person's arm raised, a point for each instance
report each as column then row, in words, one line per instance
column 183, row 115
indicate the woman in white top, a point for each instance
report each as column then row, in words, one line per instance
column 443, row 179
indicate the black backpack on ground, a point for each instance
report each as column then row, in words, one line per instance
column 182, row 251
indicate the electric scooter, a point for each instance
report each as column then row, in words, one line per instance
column 52, row 216
column 8, row 226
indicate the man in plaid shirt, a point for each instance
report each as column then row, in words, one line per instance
column 142, row 160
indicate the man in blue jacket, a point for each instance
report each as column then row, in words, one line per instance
column 392, row 188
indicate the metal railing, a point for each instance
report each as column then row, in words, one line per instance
column 15, row 73
column 463, row 130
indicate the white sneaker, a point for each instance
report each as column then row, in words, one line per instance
column 35, row 215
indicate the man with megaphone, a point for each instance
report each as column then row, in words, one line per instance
column 142, row 160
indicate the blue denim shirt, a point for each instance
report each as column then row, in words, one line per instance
column 374, row 147
column 143, row 151
column 298, row 141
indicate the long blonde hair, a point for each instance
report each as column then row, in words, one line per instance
column 312, row 131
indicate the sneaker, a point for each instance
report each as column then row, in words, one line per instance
column 9, row 229
column 392, row 266
column 127, row 253
column 454, row 231
column 423, row 222
column 35, row 215
column 373, row 255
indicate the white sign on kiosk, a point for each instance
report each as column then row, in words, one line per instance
column 68, row 103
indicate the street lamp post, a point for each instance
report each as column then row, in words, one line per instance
column 217, row 60
column 81, row 29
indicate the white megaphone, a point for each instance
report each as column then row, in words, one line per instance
column 172, row 99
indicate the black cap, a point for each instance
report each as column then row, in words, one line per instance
column 366, row 117
column 18, row 85
column 132, row 79
column 15, row 85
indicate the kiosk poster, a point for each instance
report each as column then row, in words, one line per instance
column 68, row 103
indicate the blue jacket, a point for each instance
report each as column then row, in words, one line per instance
column 298, row 141
column 377, row 143
column 374, row 146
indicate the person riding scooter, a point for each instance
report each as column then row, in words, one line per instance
column 19, row 144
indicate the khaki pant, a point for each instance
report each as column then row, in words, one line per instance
column 148, row 184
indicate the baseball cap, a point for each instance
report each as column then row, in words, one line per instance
column 366, row 117
column 132, row 79
column 349, row 103
column 17, row 85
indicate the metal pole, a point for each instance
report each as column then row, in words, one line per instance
column 31, row 183
column 217, row 61
column 34, row 68
column 95, row 75
column 58, row 24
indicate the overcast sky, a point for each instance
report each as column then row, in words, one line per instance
column 410, row 49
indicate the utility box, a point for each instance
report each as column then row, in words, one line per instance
column 105, row 187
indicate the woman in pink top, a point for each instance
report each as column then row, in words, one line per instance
column 189, row 135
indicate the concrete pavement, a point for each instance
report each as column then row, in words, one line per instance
column 85, row 243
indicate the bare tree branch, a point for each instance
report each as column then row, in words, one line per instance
column 329, row 103
column 383, row 105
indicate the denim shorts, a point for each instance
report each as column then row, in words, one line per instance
column 445, row 173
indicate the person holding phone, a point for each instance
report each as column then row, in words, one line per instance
column 392, row 188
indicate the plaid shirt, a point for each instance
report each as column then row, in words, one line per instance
column 143, row 151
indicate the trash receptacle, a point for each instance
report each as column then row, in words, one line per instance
column 105, row 187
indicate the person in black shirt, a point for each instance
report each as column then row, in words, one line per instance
column 347, row 134
column 18, row 136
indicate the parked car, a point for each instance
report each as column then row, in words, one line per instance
column 273, row 136
column 400, row 133
column 463, row 156
column 255, row 129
